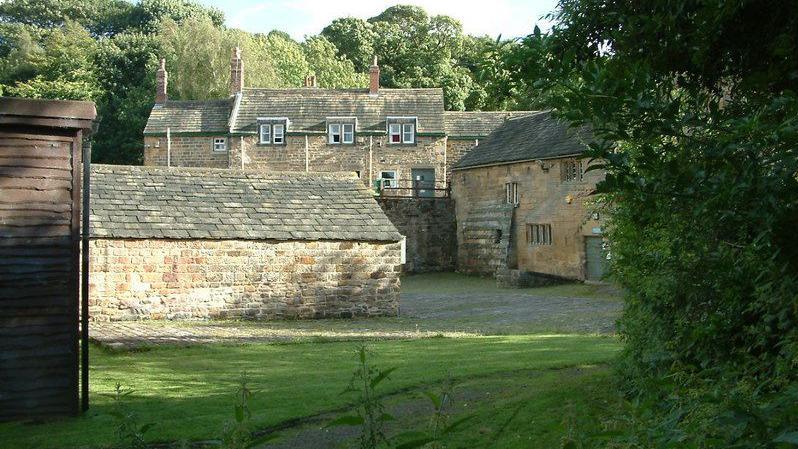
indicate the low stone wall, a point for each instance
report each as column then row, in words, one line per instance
column 509, row 278
column 430, row 228
column 185, row 279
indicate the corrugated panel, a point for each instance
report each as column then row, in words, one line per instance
column 38, row 275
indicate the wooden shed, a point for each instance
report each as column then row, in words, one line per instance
column 41, row 147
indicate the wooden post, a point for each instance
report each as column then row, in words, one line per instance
column 168, row 147
column 84, row 299
column 307, row 155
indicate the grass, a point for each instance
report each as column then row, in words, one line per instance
column 528, row 409
column 188, row 392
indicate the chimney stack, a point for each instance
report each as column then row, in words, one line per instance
column 236, row 72
column 310, row 81
column 160, row 83
column 374, row 77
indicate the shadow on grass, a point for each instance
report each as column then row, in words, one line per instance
column 188, row 392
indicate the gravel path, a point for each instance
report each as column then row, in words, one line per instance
column 511, row 311
column 423, row 315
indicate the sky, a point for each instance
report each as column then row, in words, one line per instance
column 300, row 18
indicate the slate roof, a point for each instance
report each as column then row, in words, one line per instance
column 203, row 203
column 530, row 137
column 308, row 108
column 476, row 124
column 205, row 116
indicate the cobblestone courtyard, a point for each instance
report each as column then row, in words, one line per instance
column 446, row 304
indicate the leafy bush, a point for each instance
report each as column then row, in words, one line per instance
column 694, row 108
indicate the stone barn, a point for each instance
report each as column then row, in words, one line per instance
column 522, row 199
column 185, row 243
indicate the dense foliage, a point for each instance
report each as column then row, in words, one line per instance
column 107, row 51
column 695, row 110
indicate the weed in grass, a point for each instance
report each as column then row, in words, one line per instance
column 371, row 415
column 237, row 432
column 439, row 427
column 129, row 433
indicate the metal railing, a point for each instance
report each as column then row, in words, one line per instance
column 411, row 188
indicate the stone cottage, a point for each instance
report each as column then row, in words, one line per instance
column 394, row 136
column 522, row 200
column 400, row 141
column 204, row 243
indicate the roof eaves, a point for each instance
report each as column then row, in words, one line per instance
column 231, row 123
column 519, row 161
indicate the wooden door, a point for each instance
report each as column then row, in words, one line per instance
column 596, row 258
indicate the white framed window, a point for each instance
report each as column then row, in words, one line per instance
column 408, row 133
column 220, row 144
column 395, row 133
column 265, row 133
column 511, row 193
column 341, row 130
column 348, row 132
column 271, row 130
column 278, row 134
column 334, row 131
column 388, row 179
column 538, row 234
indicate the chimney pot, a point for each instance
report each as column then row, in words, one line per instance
column 374, row 77
column 161, row 81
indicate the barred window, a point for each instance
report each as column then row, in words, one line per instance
column 571, row 170
column 511, row 193
column 538, row 234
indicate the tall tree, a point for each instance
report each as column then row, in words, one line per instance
column 331, row 70
column 694, row 107
column 99, row 17
column 354, row 39
column 57, row 65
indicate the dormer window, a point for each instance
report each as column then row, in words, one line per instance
column 265, row 133
column 402, row 130
column 395, row 131
column 278, row 134
column 341, row 130
column 408, row 133
column 271, row 131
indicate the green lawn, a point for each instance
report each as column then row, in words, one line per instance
column 529, row 409
column 188, row 392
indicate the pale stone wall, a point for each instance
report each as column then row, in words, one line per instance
column 186, row 151
column 456, row 148
column 544, row 198
column 429, row 226
column 174, row 279
column 368, row 156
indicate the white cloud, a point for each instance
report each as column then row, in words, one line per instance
column 510, row 18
